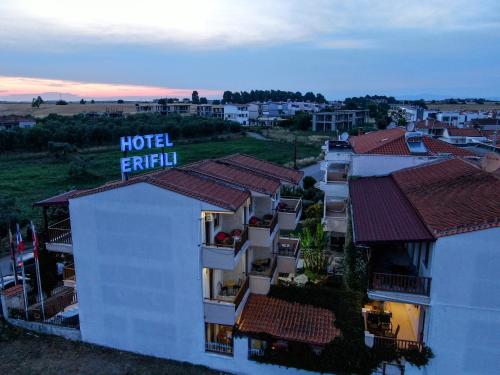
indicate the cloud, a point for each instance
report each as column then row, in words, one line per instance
column 346, row 44
column 219, row 24
column 17, row 88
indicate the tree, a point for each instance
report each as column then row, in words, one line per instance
column 92, row 101
column 120, row 101
column 61, row 102
column 162, row 101
column 36, row 102
column 227, row 97
column 203, row 100
column 313, row 249
column 82, row 101
column 8, row 214
column 195, row 98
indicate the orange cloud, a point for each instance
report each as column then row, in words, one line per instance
column 18, row 86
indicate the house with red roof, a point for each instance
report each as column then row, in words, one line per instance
column 431, row 236
column 169, row 263
column 463, row 136
column 377, row 153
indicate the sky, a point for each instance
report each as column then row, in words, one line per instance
column 108, row 49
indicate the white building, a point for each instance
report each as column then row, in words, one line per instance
column 244, row 114
column 373, row 154
column 462, row 136
column 339, row 121
column 166, row 263
column 431, row 236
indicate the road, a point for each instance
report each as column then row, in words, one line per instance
column 313, row 171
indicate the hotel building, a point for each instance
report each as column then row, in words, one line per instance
column 168, row 263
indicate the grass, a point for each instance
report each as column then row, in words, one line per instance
column 27, row 353
column 32, row 177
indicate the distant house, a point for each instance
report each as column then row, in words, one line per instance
column 462, row 136
column 432, row 127
column 341, row 120
column 14, row 121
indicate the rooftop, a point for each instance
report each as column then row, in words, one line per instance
column 392, row 142
column 288, row 321
column 270, row 169
column 432, row 124
column 464, row 132
column 237, row 176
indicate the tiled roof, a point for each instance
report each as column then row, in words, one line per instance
column 57, row 200
column 236, row 175
column 288, row 321
column 381, row 212
column 452, row 196
column 464, row 132
column 13, row 291
column 432, row 124
column 392, row 142
column 274, row 170
column 185, row 183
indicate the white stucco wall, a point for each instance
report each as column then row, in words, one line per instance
column 381, row 165
column 464, row 317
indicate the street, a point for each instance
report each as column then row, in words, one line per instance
column 313, row 171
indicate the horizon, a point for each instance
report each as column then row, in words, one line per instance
column 403, row 49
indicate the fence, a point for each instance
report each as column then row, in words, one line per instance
column 401, row 283
column 216, row 347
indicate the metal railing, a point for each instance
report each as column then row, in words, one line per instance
column 401, row 283
column 399, row 344
column 237, row 245
column 241, row 293
column 60, row 232
column 255, row 352
column 211, row 346
column 69, row 272
column 291, row 249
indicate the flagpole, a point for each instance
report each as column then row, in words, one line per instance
column 13, row 255
column 20, row 249
column 37, row 265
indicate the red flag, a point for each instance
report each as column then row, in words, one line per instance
column 35, row 241
column 20, row 244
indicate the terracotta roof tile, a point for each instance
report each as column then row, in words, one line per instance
column 273, row 170
column 392, row 142
column 432, row 124
column 464, row 132
column 186, row 183
column 237, row 176
column 452, row 196
column 288, row 321
column 13, row 291
column 381, row 212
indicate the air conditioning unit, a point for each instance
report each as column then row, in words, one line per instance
column 209, row 217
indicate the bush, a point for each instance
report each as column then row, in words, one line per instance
column 418, row 358
column 309, row 182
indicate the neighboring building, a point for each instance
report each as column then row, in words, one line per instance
column 432, row 127
column 180, row 108
column 431, row 236
column 486, row 124
column 460, row 118
column 462, row 136
column 14, row 122
column 339, row 121
column 373, row 154
column 167, row 263
column 237, row 112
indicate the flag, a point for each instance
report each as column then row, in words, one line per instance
column 35, row 241
column 13, row 255
column 20, row 244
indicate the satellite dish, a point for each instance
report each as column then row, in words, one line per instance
column 410, row 127
column 344, row 136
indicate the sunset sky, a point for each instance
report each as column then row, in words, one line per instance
column 147, row 49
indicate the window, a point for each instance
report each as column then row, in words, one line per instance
column 219, row 338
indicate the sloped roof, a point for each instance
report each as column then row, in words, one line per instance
column 452, row 196
column 185, row 183
column 392, row 142
column 432, row 124
column 381, row 212
column 288, row 321
column 464, row 132
column 237, row 175
column 273, row 170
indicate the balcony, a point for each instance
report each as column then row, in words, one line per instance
column 335, row 219
column 223, row 253
column 263, row 230
column 69, row 276
column 401, row 283
column 289, row 212
column 288, row 254
column 264, row 273
column 393, row 325
column 59, row 237
column 227, row 301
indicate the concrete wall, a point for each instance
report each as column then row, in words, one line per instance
column 464, row 317
column 381, row 165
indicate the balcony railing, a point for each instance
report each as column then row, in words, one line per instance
column 288, row 247
column 69, row 272
column 401, row 283
column 241, row 293
column 236, row 245
column 399, row 344
column 290, row 205
column 60, row 232
column 271, row 224
column 216, row 347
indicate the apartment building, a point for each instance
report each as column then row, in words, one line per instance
column 13, row 122
column 373, row 154
column 430, row 235
column 168, row 263
column 339, row 121
column 462, row 136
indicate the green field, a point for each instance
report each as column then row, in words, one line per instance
column 32, row 177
